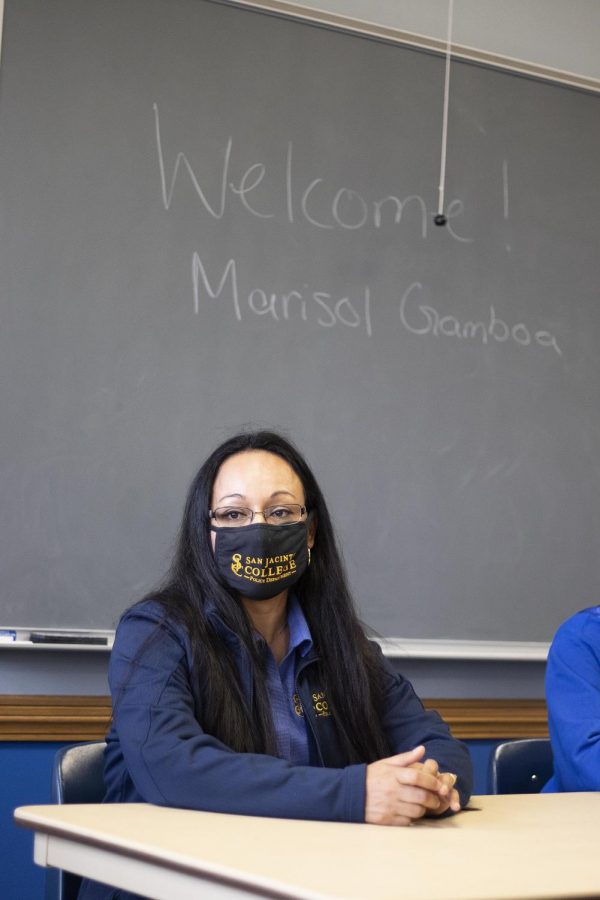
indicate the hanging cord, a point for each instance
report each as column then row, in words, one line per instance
column 440, row 219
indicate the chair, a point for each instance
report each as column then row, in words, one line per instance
column 520, row 767
column 76, row 778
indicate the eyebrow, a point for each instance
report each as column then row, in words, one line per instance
column 243, row 496
column 228, row 496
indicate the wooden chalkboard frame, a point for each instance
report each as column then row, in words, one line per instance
column 398, row 36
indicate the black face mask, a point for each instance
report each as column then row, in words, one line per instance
column 259, row 561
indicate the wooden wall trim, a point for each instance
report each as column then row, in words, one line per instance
column 492, row 719
column 79, row 718
column 53, row 718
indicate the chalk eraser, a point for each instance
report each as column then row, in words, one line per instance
column 50, row 637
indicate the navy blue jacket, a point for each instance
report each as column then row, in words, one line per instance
column 157, row 751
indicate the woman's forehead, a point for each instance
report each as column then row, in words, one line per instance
column 255, row 472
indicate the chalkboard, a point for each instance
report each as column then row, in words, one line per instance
column 214, row 217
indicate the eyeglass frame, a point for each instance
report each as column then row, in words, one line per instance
column 212, row 513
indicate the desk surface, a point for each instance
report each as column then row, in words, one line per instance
column 513, row 846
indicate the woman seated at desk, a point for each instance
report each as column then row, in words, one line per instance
column 247, row 685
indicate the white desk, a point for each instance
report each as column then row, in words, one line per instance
column 502, row 847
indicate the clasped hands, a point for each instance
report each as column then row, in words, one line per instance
column 402, row 788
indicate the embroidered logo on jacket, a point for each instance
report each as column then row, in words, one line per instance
column 320, row 705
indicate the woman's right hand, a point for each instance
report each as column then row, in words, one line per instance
column 397, row 794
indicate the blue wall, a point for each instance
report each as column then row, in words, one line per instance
column 25, row 770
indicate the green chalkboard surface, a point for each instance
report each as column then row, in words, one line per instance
column 213, row 217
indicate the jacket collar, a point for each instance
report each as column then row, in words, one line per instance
column 300, row 635
column 224, row 631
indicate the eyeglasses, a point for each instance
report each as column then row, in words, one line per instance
column 234, row 516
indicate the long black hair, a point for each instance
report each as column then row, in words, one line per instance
column 349, row 668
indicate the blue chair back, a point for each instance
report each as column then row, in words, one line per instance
column 77, row 777
column 520, row 767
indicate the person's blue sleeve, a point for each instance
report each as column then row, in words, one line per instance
column 173, row 762
column 407, row 724
column 573, row 698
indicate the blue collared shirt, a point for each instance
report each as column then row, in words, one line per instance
column 288, row 718
column 573, row 696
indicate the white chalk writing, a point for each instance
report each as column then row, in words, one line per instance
column 341, row 207
column 276, row 193
column 305, row 304
column 423, row 319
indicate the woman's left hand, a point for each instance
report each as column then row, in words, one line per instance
column 447, row 794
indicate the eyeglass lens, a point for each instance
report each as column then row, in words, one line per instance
column 231, row 516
